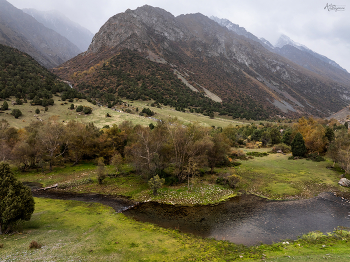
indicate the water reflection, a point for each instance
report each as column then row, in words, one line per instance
column 249, row 219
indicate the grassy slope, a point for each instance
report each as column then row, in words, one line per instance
column 76, row 231
column 98, row 116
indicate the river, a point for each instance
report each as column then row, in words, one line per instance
column 246, row 219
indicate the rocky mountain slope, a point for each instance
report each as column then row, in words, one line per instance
column 22, row 31
column 208, row 56
column 58, row 22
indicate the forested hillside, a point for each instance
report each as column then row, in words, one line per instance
column 24, row 78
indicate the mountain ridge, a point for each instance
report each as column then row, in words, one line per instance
column 207, row 54
column 22, row 31
column 58, row 22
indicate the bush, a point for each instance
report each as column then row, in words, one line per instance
column 155, row 183
column 37, row 111
column 315, row 157
column 238, row 154
column 228, row 179
column 5, row 106
column 281, row 147
column 87, row 110
column 147, row 112
column 16, row 113
column 80, row 108
column 101, row 174
column 257, row 154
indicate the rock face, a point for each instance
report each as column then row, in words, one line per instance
column 234, row 65
column 22, row 31
column 344, row 182
column 56, row 21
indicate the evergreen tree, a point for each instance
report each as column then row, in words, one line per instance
column 298, row 145
column 5, row 106
column 16, row 200
column 16, row 113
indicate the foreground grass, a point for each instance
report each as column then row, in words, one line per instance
column 77, row 231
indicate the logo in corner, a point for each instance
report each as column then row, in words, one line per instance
column 336, row 8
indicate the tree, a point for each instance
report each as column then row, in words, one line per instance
column 37, row 111
column 220, row 148
column 16, row 113
column 155, row 183
column 80, row 108
column 101, row 174
column 298, row 145
column 5, row 106
column 52, row 137
column 72, row 107
column 16, row 200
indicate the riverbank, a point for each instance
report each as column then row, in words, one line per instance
column 76, row 231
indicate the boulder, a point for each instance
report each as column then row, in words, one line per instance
column 344, row 182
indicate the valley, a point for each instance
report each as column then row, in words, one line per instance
column 168, row 137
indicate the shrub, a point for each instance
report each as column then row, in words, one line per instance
column 37, row 111
column 16, row 113
column 1, row 245
column 238, row 154
column 5, row 106
column 315, row 157
column 281, row 147
column 71, row 106
column 87, row 110
column 80, row 108
column 155, row 183
column 228, row 179
column 101, row 174
column 34, row 244
column 257, row 154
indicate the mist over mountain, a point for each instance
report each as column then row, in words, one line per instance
column 208, row 56
column 58, row 22
column 22, row 31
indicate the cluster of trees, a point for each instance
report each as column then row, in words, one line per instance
column 169, row 144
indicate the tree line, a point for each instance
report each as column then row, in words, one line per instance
column 169, row 146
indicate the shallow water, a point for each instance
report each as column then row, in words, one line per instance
column 250, row 220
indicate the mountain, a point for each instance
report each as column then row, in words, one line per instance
column 311, row 60
column 22, row 31
column 23, row 77
column 237, row 73
column 58, row 22
column 241, row 31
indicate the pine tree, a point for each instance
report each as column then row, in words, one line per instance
column 5, row 106
column 298, row 145
column 16, row 200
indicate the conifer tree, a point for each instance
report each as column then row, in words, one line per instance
column 16, row 200
column 298, row 145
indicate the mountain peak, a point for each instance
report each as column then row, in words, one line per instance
column 284, row 40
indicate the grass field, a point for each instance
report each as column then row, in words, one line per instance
column 98, row 116
column 77, row 231
column 276, row 177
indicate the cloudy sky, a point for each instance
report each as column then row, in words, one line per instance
column 305, row 21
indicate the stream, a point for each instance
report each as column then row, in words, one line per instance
column 245, row 219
